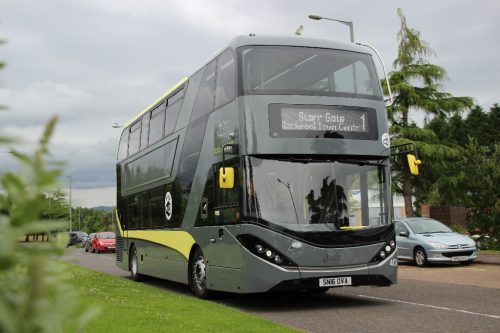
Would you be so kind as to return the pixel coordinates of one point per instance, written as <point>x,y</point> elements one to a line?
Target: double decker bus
<point>266,170</point>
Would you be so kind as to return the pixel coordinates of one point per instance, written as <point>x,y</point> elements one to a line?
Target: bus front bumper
<point>274,278</point>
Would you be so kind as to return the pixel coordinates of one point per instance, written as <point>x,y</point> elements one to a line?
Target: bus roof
<point>248,40</point>
<point>295,41</point>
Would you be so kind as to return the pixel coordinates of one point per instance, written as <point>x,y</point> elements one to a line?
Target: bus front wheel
<point>198,275</point>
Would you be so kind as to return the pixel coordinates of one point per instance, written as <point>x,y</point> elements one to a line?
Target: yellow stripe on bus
<point>171,90</point>
<point>180,241</point>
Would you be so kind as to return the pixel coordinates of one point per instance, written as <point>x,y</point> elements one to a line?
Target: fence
<point>449,215</point>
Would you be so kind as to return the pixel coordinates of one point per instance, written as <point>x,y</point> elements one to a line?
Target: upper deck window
<point>288,70</point>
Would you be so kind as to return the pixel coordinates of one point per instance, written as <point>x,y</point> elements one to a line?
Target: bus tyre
<point>198,276</point>
<point>420,257</point>
<point>134,265</point>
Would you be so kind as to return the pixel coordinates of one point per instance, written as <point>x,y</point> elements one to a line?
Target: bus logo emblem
<point>386,140</point>
<point>168,206</point>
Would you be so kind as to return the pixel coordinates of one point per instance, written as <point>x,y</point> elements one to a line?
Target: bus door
<point>223,251</point>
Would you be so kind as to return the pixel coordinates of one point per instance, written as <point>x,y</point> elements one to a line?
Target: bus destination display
<point>322,121</point>
<point>332,120</point>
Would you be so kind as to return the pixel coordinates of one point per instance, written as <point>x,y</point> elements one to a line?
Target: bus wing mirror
<point>413,163</point>
<point>226,177</point>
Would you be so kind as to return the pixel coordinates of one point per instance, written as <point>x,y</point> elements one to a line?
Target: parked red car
<point>104,241</point>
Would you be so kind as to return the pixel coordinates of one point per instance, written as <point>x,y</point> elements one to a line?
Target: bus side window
<point>205,99</point>
<point>156,202</point>
<point>226,79</point>
<point>135,137</point>
<point>146,210</point>
<point>123,147</point>
<point>227,201</point>
<point>145,131</point>
<point>133,212</point>
<point>174,104</point>
<point>156,123</point>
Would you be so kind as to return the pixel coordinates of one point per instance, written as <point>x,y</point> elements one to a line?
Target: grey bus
<point>266,170</point>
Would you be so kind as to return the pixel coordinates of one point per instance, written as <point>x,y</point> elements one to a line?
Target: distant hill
<point>103,208</point>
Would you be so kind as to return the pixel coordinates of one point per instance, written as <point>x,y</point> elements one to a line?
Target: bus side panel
<point>160,261</point>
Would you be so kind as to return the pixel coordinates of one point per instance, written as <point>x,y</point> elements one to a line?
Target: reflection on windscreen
<point>307,71</point>
<point>316,196</point>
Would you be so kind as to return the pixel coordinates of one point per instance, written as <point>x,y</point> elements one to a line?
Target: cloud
<point>94,62</point>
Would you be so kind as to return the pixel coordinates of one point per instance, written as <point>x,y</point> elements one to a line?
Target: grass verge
<point>126,306</point>
<point>489,251</point>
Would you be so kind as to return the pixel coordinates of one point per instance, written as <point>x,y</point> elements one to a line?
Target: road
<point>445,298</point>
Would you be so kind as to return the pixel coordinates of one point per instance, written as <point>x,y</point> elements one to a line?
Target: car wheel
<point>420,257</point>
<point>134,265</point>
<point>198,275</point>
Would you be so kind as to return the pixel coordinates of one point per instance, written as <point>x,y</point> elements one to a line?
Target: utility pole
<point>69,208</point>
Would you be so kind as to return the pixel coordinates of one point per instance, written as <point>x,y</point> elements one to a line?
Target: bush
<point>34,296</point>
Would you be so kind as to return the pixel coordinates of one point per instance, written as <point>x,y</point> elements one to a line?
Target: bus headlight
<point>388,248</point>
<point>263,250</point>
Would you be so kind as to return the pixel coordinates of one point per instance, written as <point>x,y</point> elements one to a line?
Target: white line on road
<point>430,306</point>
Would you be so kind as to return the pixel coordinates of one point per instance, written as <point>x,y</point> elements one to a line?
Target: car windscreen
<point>427,226</point>
<point>106,235</point>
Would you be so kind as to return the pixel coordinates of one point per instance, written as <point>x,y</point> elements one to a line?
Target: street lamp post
<point>70,217</point>
<point>348,23</point>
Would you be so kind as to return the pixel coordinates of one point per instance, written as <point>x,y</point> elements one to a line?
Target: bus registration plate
<point>335,281</point>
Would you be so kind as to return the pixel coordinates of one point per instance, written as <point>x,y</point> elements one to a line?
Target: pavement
<point>489,259</point>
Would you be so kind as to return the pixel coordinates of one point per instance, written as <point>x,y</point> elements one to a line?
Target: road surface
<point>445,298</point>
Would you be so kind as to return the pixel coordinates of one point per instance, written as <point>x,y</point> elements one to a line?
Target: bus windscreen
<point>290,70</point>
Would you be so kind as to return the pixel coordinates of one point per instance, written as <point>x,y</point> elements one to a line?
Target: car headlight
<point>438,245</point>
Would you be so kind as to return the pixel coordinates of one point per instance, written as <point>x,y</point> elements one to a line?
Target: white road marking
<point>430,306</point>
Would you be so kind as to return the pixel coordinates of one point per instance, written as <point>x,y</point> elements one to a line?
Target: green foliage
<point>480,183</point>
<point>417,87</point>
<point>470,179</point>
<point>34,296</point>
<point>95,220</point>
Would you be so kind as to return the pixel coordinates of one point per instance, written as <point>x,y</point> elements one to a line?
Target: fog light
<point>382,254</point>
<point>269,254</point>
<point>392,244</point>
<point>387,248</point>
<point>278,259</point>
<point>260,248</point>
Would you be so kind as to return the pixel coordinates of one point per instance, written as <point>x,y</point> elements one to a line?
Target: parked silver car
<point>87,245</point>
<point>424,240</point>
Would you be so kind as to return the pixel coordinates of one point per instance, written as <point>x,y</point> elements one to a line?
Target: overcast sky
<point>93,62</point>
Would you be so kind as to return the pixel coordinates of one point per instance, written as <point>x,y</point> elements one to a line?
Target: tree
<point>480,183</point>
<point>417,87</point>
